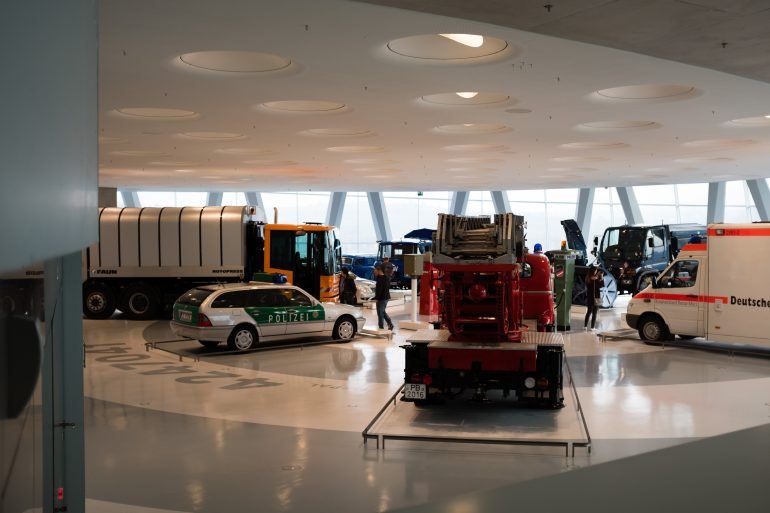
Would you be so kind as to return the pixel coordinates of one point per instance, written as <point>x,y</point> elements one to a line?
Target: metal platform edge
<point>569,447</point>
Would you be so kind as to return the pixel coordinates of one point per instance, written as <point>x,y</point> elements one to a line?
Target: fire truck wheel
<point>98,301</point>
<point>139,302</point>
<point>653,329</point>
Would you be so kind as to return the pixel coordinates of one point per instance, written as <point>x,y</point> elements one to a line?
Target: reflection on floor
<point>280,430</point>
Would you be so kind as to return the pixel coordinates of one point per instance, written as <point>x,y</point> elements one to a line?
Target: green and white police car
<point>244,314</point>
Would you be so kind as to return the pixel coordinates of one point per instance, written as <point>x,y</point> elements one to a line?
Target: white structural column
<point>715,212</point>
<point>761,194</point>
<point>130,198</point>
<point>214,199</point>
<point>459,203</point>
<point>379,215</point>
<point>254,199</point>
<point>500,201</point>
<point>335,208</point>
<point>584,209</point>
<point>630,205</point>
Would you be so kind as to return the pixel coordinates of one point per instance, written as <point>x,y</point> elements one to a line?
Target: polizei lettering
<point>288,317</point>
<point>750,301</point>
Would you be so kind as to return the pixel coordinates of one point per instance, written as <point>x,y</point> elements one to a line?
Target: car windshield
<point>625,242</point>
<point>194,297</point>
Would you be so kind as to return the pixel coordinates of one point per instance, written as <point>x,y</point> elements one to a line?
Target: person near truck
<point>594,284</point>
<point>347,287</point>
<point>381,296</point>
<point>388,268</point>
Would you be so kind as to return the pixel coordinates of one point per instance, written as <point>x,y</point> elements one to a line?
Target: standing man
<point>382,295</point>
<point>388,268</point>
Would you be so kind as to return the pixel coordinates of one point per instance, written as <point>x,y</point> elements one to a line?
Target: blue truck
<point>422,242</point>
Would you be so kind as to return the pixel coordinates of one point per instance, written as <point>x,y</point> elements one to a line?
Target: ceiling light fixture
<point>472,40</point>
<point>467,95</point>
<point>768,116</point>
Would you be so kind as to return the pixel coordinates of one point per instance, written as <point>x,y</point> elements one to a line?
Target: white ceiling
<point>339,53</point>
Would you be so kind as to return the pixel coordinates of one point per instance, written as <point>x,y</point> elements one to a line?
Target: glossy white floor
<point>280,430</point>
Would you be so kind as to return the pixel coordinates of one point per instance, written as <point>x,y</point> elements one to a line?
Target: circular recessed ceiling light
<point>471,170</point>
<point>377,170</point>
<point>356,149</point>
<point>594,145</point>
<point>473,128</point>
<point>454,99</point>
<point>756,121</point>
<point>371,161</point>
<point>270,163</point>
<point>235,61</point>
<point>212,136</point>
<point>171,163</point>
<point>111,140</point>
<point>579,159</point>
<point>475,147</point>
<point>719,144</point>
<point>450,48</point>
<point>245,151</point>
<point>338,132</point>
<point>473,160</point>
<point>305,106</point>
<point>518,111</point>
<point>703,160</point>
<point>619,124</point>
<point>156,113</point>
<point>646,92</point>
<point>139,153</point>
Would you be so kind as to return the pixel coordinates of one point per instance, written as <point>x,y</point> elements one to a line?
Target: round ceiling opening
<point>139,153</point>
<point>368,162</point>
<point>718,144</point>
<point>304,106</point>
<point>270,163</point>
<point>171,163</point>
<point>704,160</point>
<point>462,99</point>
<point>338,132</point>
<point>449,48</point>
<point>594,145</point>
<point>579,159</point>
<point>473,128</point>
<point>475,147</point>
<point>245,151</point>
<point>156,113</point>
<point>473,160</point>
<point>110,140</point>
<point>518,111</point>
<point>619,124</point>
<point>356,149</point>
<point>212,136</point>
<point>752,122</point>
<point>235,61</point>
<point>648,92</point>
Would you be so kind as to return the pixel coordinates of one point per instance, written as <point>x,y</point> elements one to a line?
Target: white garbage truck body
<point>718,289</point>
<point>147,257</point>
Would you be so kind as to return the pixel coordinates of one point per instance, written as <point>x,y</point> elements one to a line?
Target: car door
<point>304,314</point>
<point>679,297</point>
<point>227,308</point>
<point>268,308</point>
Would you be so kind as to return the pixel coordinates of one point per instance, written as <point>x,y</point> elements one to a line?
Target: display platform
<point>193,350</point>
<point>696,343</point>
<point>495,421</point>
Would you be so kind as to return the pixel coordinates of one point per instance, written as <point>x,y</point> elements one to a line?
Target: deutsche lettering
<point>750,301</point>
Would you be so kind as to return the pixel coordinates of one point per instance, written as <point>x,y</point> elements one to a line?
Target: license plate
<point>185,316</point>
<point>412,391</point>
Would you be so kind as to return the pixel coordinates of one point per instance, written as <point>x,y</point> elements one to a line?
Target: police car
<point>244,314</point>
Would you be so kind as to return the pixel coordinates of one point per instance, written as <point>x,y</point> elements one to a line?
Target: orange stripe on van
<point>694,247</point>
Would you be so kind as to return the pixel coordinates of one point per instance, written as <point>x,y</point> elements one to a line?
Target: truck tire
<point>643,282</point>
<point>344,329</point>
<point>653,329</point>
<point>242,338</point>
<point>98,301</point>
<point>140,302</point>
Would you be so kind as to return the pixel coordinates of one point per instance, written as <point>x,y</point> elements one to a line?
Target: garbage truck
<point>147,257</point>
<point>718,290</point>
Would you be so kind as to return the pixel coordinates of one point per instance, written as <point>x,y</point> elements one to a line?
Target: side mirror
<point>337,244</point>
<point>596,240</point>
<point>594,251</point>
<point>651,242</point>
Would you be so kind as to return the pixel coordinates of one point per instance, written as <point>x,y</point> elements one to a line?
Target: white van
<point>718,290</point>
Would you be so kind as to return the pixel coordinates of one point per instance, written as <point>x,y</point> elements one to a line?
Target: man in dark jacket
<point>382,295</point>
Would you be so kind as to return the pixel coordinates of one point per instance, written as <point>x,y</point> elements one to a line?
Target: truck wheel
<point>644,281</point>
<point>344,329</point>
<point>209,344</point>
<point>653,329</point>
<point>139,302</point>
<point>242,338</point>
<point>98,301</point>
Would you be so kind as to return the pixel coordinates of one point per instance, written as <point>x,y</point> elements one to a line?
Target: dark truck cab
<point>395,250</point>
<point>635,255</point>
